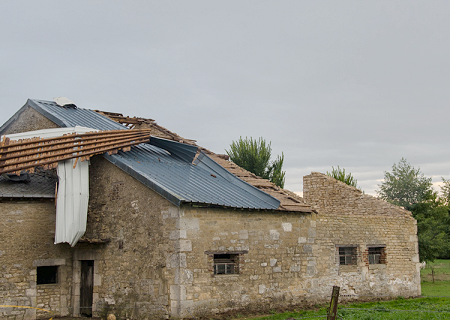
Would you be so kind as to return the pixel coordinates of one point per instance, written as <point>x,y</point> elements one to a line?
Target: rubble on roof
<point>141,123</point>
<point>41,185</point>
<point>289,200</point>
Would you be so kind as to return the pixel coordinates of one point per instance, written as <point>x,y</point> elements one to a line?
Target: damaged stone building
<point>170,230</point>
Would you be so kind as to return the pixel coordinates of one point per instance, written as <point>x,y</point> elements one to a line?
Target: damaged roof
<point>40,185</point>
<point>181,181</point>
<point>68,116</point>
<point>211,180</point>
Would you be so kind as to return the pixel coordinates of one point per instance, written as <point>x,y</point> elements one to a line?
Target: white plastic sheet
<point>72,201</point>
<point>73,188</point>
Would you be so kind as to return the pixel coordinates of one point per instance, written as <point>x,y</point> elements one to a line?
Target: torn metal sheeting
<point>72,201</point>
<point>180,181</point>
<point>183,151</point>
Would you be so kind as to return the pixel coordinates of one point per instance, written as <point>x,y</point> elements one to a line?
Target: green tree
<point>254,156</point>
<point>432,228</point>
<point>408,187</point>
<point>445,190</point>
<point>339,174</point>
<point>405,186</point>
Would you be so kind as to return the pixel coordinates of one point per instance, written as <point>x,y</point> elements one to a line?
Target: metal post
<point>332,310</point>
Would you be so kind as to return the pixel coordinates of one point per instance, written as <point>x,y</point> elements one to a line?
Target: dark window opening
<point>376,255</point>
<point>226,263</point>
<point>347,255</point>
<point>47,275</point>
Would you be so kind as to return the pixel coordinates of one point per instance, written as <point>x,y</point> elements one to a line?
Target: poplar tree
<point>254,155</point>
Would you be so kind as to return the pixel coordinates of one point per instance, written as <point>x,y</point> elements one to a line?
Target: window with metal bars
<point>226,264</point>
<point>347,256</point>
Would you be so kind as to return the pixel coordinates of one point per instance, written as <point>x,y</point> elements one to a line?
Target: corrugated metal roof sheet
<point>71,117</point>
<point>180,181</point>
<point>41,185</point>
<point>166,172</point>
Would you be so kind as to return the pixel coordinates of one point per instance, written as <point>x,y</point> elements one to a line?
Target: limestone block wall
<point>277,264</point>
<point>132,276</point>
<point>27,231</point>
<point>346,217</point>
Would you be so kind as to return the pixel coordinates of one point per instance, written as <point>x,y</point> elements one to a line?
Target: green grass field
<point>434,304</point>
<point>441,271</point>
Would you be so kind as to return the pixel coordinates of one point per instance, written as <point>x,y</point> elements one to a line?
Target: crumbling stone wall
<point>346,216</point>
<point>26,242</point>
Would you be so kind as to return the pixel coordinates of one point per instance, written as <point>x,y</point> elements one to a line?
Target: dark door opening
<point>86,287</point>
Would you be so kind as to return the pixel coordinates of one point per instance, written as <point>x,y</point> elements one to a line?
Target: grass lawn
<point>441,285</point>
<point>434,304</point>
<point>441,271</point>
<point>399,309</point>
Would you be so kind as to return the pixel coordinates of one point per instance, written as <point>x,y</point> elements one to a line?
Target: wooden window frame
<point>376,254</point>
<point>225,263</point>
<point>348,255</point>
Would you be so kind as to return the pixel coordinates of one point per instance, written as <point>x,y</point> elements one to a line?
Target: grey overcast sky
<point>359,84</point>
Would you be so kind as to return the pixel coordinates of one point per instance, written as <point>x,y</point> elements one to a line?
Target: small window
<point>376,255</point>
<point>47,275</point>
<point>226,263</point>
<point>347,256</point>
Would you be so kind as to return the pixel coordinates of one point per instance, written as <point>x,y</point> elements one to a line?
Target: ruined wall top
<point>330,196</point>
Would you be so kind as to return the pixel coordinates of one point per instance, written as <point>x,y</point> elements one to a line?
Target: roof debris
<point>289,200</point>
<point>26,154</point>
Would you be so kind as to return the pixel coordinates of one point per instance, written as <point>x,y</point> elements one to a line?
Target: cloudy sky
<point>359,84</point>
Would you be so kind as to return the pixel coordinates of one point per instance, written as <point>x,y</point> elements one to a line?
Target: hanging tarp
<point>73,188</point>
<point>72,201</point>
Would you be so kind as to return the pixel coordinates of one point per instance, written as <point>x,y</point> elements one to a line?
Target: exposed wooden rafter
<point>126,121</point>
<point>27,154</point>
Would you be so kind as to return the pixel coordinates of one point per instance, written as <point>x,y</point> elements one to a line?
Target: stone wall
<point>132,273</point>
<point>28,120</point>
<point>346,217</point>
<point>153,260</point>
<point>26,242</point>
<point>276,260</point>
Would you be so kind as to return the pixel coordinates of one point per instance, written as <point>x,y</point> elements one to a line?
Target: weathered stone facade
<point>154,260</point>
<point>347,217</point>
<point>276,260</point>
<point>26,242</point>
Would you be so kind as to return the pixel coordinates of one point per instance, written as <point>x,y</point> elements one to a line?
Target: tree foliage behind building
<point>408,187</point>
<point>405,185</point>
<point>254,155</point>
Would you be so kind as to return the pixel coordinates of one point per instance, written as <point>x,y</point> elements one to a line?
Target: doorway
<point>86,287</point>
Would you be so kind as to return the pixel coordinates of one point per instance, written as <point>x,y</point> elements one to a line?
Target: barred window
<point>347,255</point>
<point>226,263</point>
<point>376,255</point>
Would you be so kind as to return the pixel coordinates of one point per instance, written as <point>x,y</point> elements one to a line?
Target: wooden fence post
<point>332,310</point>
